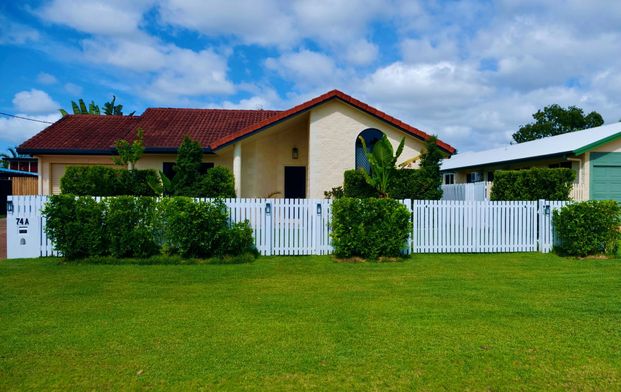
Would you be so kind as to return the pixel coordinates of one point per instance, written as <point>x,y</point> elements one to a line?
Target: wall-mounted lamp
<point>295,153</point>
<point>9,206</point>
<point>318,209</point>
<point>268,208</point>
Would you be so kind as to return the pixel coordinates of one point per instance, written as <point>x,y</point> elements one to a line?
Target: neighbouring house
<point>300,152</point>
<point>594,154</point>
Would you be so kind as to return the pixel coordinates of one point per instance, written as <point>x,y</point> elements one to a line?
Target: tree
<point>556,120</point>
<point>382,160</point>
<point>12,153</point>
<point>430,177</point>
<point>110,109</point>
<point>187,168</point>
<point>129,153</point>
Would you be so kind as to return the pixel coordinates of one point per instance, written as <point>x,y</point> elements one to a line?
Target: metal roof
<point>569,143</point>
<point>17,172</point>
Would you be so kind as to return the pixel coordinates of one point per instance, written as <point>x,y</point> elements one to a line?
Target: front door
<point>295,182</point>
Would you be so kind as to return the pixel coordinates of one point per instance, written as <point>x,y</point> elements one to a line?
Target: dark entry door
<point>295,182</point>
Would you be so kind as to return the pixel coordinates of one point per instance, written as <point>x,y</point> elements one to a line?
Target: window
<point>449,178</point>
<point>370,136</point>
<point>566,165</point>
<point>474,177</point>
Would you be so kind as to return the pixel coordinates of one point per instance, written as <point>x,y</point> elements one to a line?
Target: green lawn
<point>478,322</point>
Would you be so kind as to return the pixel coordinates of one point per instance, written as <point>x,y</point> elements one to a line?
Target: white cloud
<point>73,89</point>
<point>305,68</point>
<point>14,131</point>
<point>109,17</point>
<point>34,101</point>
<point>13,33</point>
<point>46,78</point>
<point>362,52</point>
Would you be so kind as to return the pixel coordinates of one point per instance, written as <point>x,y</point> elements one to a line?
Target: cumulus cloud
<point>109,17</point>
<point>46,78</point>
<point>305,68</point>
<point>13,33</point>
<point>34,101</point>
<point>14,131</point>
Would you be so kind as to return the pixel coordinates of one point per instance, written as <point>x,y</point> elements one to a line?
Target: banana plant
<point>80,108</point>
<point>382,160</point>
<point>161,184</point>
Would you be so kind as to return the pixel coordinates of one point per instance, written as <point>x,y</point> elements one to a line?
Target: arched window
<point>370,136</point>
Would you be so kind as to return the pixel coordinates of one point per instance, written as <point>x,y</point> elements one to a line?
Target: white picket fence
<point>476,191</point>
<point>302,226</point>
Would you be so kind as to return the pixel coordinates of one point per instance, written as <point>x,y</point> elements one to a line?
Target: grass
<point>435,322</point>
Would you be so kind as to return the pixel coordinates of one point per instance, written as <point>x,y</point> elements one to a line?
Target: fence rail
<point>302,226</point>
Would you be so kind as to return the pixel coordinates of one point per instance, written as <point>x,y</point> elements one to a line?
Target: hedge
<point>369,228</point>
<point>355,185</point>
<point>588,228</point>
<point>141,227</point>
<point>413,184</point>
<point>107,181</point>
<point>533,184</point>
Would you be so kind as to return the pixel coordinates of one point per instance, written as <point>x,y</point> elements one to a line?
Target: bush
<point>533,184</point>
<point>132,226</point>
<point>187,167</point>
<point>106,181</point>
<point>355,185</point>
<point>369,228</point>
<point>414,184</point>
<point>334,193</point>
<point>218,182</point>
<point>588,228</point>
<point>191,228</point>
<point>142,227</point>
<point>76,226</point>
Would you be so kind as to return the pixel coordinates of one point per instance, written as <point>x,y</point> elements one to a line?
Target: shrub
<point>533,184</point>
<point>236,241</point>
<point>415,185</point>
<point>76,226</point>
<point>106,181</point>
<point>187,168</point>
<point>135,182</point>
<point>588,228</point>
<point>89,181</point>
<point>193,228</point>
<point>369,228</point>
<point>218,182</point>
<point>132,226</point>
<point>355,185</point>
<point>334,193</point>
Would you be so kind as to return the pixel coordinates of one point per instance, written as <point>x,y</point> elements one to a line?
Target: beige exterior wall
<point>265,155</point>
<point>334,127</point>
<point>53,166</point>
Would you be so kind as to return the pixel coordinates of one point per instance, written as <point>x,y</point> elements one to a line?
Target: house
<point>594,154</point>
<point>300,152</point>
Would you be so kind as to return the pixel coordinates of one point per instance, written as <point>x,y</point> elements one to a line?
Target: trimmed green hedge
<point>369,228</point>
<point>141,227</point>
<point>107,181</point>
<point>588,228</point>
<point>355,185</point>
<point>413,184</point>
<point>533,184</point>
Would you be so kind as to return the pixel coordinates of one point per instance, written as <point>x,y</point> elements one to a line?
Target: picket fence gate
<point>302,226</point>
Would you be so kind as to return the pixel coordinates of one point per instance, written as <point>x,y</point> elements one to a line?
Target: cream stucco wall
<point>265,155</point>
<point>334,127</point>
<point>47,163</point>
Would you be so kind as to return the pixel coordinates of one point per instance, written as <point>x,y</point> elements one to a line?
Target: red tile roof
<point>319,100</point>
<point>164,128</point>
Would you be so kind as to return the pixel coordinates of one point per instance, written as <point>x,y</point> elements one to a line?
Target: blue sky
<point>469,71</point>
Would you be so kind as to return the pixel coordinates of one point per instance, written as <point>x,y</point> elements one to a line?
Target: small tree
<point>130,153</point>
<point>187,168</point>
<point>430,178</point>
<point>382,160</point>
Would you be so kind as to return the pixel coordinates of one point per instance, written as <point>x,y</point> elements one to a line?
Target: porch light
<point>318,209</point>
<point>9,206</point>
<point>294,153</point>
<point>268,208</point>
